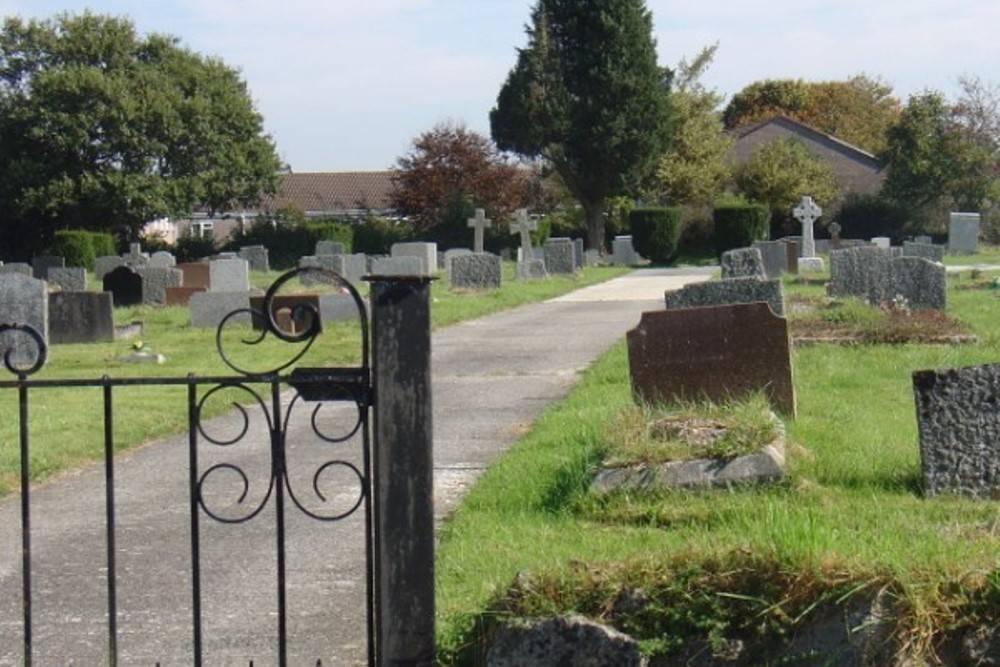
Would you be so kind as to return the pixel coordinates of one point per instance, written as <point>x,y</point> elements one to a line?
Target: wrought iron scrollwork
<point>12,360</point>
<point>306,315</point>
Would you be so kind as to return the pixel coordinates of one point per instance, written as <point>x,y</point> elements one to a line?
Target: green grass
<point>66,423</point>
<point>849,520</point>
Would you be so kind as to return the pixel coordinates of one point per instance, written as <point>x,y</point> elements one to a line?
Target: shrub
<point>375,236</point>
<point>190,248</point>
<point>656,233</point>
<point>865,216</point>
<point>739,225</point>
<point>286,241</point>
<point>80,247</point>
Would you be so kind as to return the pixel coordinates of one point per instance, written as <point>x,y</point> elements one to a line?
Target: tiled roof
<point>333,192</point>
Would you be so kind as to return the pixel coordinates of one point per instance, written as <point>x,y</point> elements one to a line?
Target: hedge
<point>656,233</point>
<point>81,247</point>
<point>739,225</point>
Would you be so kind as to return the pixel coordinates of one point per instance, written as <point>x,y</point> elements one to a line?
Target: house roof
<point>333,192</point>
<point>855,169</point>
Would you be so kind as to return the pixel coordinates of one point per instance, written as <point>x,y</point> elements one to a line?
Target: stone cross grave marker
<point>524,225</point>
<point>479,223</point>
<point>807,212</point>
<point>834,228</point>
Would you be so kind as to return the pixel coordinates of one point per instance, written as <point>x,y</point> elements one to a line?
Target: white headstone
<point>807,212</point>
<point>881,242</point>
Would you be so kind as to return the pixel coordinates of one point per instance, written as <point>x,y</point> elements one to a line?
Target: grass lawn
<point>849,522</point>
<point>66,423</point>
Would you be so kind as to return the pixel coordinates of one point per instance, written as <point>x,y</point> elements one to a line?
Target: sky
<point>347,85</point>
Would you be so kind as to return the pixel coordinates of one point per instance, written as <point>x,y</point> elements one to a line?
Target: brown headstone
<point>180,296</point>
<point>284,306</point>
<point>713,353</point>
<point>196,274</point>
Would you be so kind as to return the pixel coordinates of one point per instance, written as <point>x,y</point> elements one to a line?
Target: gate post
<point>404,466</point>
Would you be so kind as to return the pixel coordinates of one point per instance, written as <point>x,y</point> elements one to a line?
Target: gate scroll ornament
<point>264,392</point>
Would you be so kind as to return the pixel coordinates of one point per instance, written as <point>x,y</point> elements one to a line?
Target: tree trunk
<point>595,226</point>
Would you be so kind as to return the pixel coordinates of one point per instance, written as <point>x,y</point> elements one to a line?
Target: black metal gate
<point>329,487</point>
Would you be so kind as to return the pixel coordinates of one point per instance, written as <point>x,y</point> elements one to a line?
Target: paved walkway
<point>491,379</point>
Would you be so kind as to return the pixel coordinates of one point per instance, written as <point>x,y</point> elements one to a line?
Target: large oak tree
<point>586,95</point>
<point>104,129</point>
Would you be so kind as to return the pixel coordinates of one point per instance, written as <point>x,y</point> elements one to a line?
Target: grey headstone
<point>350,267</point>
<point>68,279</point>
<point>23,300</point>
<point>256,257</point>
<point>923,239</point>
<point>934,253</point>
<point>774,257</point>
<point>959,428</point>
<point>399,266</point>
<point>591,257</point>
<point>155,282</point>
<point>863,272</point>
<point>41,264</point>
<point>560,256</point>
<point>106,264</point>
<point>161,259</point>
<point>531,270</point>
<point>578,249</point>
<point>81,317</point>
<point>425,252</point>
<point>623,252</point>
<point>728,292</point>
<point>135,258</point>
<point>476,271</point>
<point>742,263</point>
<point>921,282</point>
<point>17,267</point>
<point>125,286</point>
<point>228,275</point>
<point>329,248</point>
<point>883,242</point>
<point>449,255</point>
<point>336,307</point>
<point>963,233</point>
<point>208,309</point>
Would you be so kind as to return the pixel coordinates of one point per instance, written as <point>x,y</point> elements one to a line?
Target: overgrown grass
<point>66,423</point>
<point>849,517</point>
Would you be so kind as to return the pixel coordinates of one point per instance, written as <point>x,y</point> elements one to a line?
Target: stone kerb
<point>425,252</point>
<point>742,263</point>
<point>560,256</point>
<point>476,271</point>
<point>23,300</point>
<point>959,429</point>
<point>726,292</point>
<point>693,354</point>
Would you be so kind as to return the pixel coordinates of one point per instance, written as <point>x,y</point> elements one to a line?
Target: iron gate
<point>268,403</point>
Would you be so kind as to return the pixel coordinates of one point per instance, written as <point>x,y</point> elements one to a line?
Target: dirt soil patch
<point>884,326</point>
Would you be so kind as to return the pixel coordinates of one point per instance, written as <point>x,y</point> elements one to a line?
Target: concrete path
<point>491,379</point>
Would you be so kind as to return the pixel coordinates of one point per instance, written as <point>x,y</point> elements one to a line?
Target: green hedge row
<point>287,243</point>
<point>739,225</point>
<point>81,248</point>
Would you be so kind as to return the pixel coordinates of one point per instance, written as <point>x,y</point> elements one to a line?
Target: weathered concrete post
<point>403,462</point>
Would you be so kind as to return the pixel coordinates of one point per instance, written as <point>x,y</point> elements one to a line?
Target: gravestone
<point>533,269</point>
<point>963,233</point>
<point>398,266</point>
<point>208,309</point>
<point>106,264</point>
<point>450,255</point>
<point>125,286</point>
<point>256,257</point>
<point>351,268</point>
<point>807,212</point>
<point>425,252</point>
<point>523,225</point>
<point>23,300</point>
<point>479,224</point>
<point>863,272</point>
<point>591,257</point>
<point>923,239</point>
<point>959,429</point>
<point>921,282</point>
<point>155,282</point>
<point>292,312</point>
<point>135,257</point>
<point>196,274</point>
<point>934,253</point>
<point>792,253</point>
<point>559,256</point>
<point>726,292</point>
<point>834,228</point>
<point>476,271</point>
<point>742,263</point>
<point>623,252</point>
<point>692,354</point>
<point>68,278</point>
<point>228,275</point>
<point>161,259</point>
<point>329,248</point>
<point>17,267</point>
<point>180,296</point>
<point>41,264</point>
<point>883,242</point>
<point>774,258</point>
<point>578,249</point>
<point>81,317</point>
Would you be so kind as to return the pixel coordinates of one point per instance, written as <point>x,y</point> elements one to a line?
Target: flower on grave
<point>137,345</point>
<point>900,303</point>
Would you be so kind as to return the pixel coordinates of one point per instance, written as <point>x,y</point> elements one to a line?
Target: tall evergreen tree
<point>587,95</point>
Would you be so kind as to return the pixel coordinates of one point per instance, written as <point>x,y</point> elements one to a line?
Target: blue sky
<point>348,84</point>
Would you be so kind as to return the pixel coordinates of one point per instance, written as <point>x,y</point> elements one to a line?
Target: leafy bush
<point>81,247</point>
<point>656,233</point>
<point>865,216</point>
<point>739,225</point>
<point>190,248</point>
<point>375,236</point>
